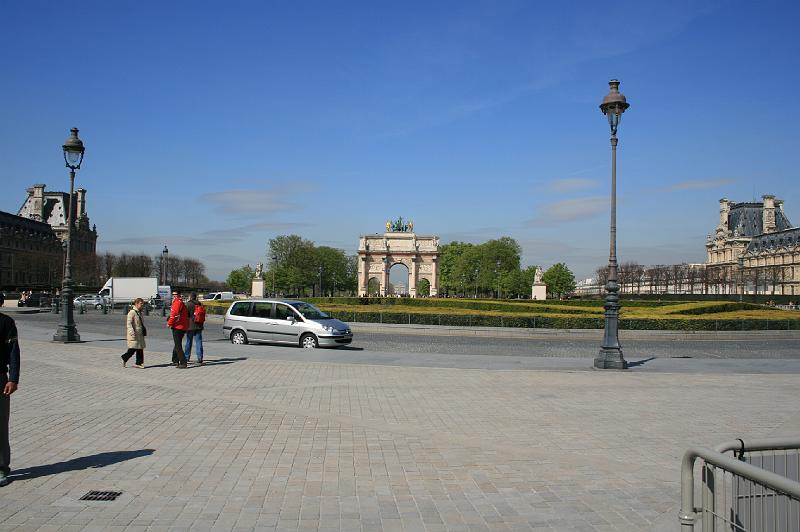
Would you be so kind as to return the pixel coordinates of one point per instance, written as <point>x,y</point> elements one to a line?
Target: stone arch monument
<point>399,244</point>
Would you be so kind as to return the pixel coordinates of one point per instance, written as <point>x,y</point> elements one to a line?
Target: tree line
<point>298,267</point>
<point>634,278</point>
<point>175,270</point>
<point>493,269</point>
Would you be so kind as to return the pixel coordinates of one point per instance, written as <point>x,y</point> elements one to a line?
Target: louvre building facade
<point>761,236</point>
<point>33,242</point>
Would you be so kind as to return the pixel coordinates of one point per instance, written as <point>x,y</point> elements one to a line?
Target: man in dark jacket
<point>179,322</point>
<point>9,377</point>
<point>195,332</point>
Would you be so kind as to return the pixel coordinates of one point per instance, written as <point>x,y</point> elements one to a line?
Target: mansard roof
<point>747,220</point>
<point>772,241</point>
<point>12,221</point>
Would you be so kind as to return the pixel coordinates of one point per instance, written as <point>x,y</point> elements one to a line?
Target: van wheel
<point>238,337</point>
<point>309,341</point>
<point>98,306</point>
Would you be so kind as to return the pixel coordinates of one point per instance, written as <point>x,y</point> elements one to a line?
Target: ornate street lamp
<point>164,253</point>
<point>73,157</point>
<point>610,355</point>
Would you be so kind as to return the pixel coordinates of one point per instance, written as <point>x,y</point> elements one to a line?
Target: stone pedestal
<point>539,291</point>
<point>258,288</point>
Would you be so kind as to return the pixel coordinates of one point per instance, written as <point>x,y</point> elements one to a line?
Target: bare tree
<point>602,278</point>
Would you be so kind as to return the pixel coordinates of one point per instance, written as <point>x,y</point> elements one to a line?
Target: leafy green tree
<point>423,288</point>
<point>297,266</point>
<point>335,269</point>
<point>292,264</point>
<point>559,280</point>
<point>241,280</point>
<point>450,280</point>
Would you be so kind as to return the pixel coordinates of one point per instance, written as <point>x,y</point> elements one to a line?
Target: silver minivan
<point>285,322</point>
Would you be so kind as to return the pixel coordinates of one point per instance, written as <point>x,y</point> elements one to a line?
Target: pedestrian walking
<point>135,332</point>
<point>197,317</point>
<point>178,321</point>
<point>9,378</point>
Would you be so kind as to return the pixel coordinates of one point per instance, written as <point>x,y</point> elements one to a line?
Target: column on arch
<point>363,277</point>
<point>385,276</point>
<point>412,278</point>
<point>434,276</point>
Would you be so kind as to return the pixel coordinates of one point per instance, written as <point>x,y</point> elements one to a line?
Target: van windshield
<point>309,311</point>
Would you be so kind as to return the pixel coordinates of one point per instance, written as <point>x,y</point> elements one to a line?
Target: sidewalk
<point>247,443</point>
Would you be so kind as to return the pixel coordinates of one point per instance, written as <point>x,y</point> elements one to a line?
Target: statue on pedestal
<point>537,276</point>
<point>259,271</point>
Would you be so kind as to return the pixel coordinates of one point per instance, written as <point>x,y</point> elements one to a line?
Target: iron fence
<point>756,489</point>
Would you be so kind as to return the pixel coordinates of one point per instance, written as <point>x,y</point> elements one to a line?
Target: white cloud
<point>570,210</point>
<point>214,237</point>
<point>256,201</point>
<point>571,183</point>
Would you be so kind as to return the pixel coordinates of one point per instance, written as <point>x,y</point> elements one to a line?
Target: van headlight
<point>329,329</point>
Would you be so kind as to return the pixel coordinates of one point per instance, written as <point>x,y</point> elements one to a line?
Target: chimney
<point>37,203</point>
<point>81,212</point>
<point>769,214</point>
<point>724,212</point>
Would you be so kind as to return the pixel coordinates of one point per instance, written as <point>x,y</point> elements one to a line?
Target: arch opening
<point>398,280</point>
<point>374,287</point>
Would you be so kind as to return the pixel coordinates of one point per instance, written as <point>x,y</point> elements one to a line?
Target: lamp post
<point>164,254</point>
<point>610,355</point>
<point>320,280</point>
<point>73,157</point>
<point>741,278</point>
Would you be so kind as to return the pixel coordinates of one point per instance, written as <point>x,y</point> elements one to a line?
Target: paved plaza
<point>251,443</point>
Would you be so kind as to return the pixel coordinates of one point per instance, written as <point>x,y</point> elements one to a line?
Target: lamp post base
<point>66,334</point>
<point>610,358</point>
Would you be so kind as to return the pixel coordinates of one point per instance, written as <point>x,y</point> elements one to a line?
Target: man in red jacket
<point>179,322</point>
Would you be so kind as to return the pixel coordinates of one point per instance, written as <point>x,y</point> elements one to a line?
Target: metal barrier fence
<point>755,490</point>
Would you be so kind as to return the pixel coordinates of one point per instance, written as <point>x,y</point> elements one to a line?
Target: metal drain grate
<point>101,496</point>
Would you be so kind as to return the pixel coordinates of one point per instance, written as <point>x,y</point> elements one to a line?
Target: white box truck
<point>123,290</point>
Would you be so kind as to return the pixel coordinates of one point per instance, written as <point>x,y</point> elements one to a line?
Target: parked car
<point>90,300</point>
<point>218,296</point>
<point>284,322</point>
<point>36,299</point>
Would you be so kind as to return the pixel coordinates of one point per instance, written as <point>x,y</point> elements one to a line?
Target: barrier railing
<point>755,490</point>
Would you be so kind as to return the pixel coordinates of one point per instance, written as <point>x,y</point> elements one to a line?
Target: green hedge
<point>550,322</point>
<point>506,305</point>
<point>543,322</point>
<point>718,307</point>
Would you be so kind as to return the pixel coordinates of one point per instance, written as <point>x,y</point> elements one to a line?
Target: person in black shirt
<point>9,377</point>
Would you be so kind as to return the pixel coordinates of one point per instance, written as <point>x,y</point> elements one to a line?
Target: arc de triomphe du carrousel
<point>398,245</point>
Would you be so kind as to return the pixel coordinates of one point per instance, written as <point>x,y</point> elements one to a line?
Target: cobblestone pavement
<point>247,443</point>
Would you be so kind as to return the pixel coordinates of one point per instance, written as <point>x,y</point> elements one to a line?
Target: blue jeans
<point>187,349</point>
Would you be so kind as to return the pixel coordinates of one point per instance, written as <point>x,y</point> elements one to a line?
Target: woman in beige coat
<point>136,332</point>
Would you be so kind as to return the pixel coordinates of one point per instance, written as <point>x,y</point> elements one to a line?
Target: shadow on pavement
<point>103,340</point>
<point>77,464</point>
<point>216,362</point>
<point>640,362</point>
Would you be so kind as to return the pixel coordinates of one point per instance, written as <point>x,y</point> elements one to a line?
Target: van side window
<point>283,311</point>
<point>240,309</point>
<point>262,310</point>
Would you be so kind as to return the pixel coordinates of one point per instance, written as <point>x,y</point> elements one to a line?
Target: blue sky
<point>213,127</point>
